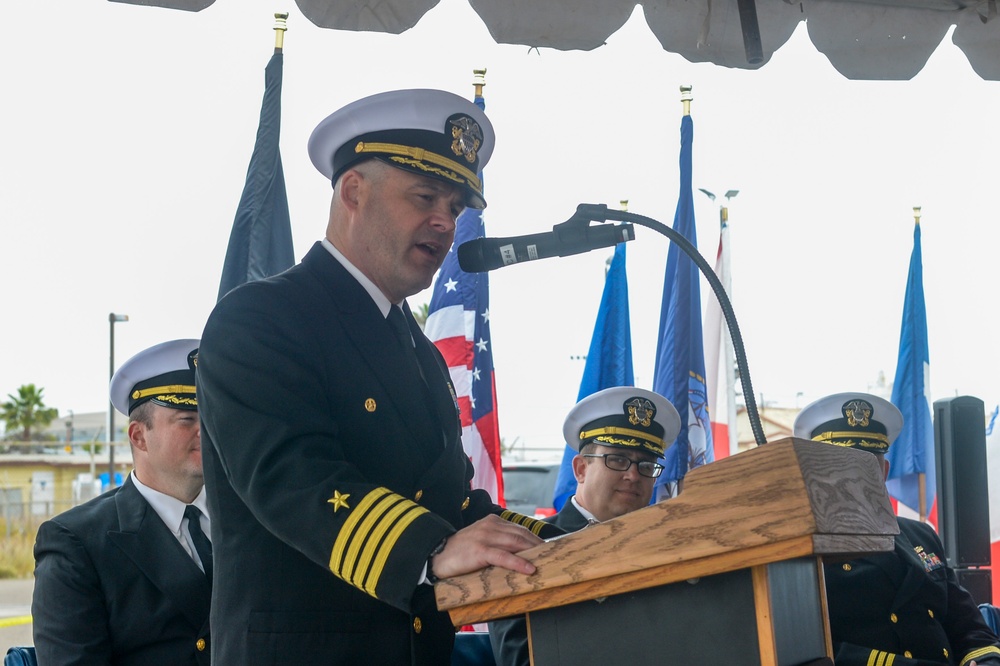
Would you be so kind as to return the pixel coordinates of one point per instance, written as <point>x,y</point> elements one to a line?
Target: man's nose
<point>443,219</point>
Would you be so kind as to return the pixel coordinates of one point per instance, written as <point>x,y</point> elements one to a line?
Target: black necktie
<point>397,320</point>
<point>198,538</point>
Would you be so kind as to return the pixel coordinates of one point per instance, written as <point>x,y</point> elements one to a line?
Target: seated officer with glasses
<point>620,433</point>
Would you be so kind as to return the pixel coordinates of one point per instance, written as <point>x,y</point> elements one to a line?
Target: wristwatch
<point>431,578</point>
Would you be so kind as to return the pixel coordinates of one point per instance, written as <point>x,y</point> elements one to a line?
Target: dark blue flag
<point>912,454</point>
<point>679,375</point>
<point>260,243</point>
<point>609,360</point>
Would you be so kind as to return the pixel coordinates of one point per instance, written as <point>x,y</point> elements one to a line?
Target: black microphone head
<point>471,258</point>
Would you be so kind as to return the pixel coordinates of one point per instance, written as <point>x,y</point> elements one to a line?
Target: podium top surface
<point>790,498</point>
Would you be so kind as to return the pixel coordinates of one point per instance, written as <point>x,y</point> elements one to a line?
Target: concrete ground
<point>15,609</point>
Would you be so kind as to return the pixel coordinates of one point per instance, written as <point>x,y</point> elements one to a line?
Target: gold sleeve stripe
<point>981,652</point>
<point>383,552</point>
<point>524,521</point>
<point>346,535</point>
<point>362,541</point>
<point>375,549</point>
<point>381,515</point>
<point>878,658</point>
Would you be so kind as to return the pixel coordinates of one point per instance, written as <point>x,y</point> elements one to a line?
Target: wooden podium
<point>730,571</point>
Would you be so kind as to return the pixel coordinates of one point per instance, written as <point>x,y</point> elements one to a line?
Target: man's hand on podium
<point>491,541</point>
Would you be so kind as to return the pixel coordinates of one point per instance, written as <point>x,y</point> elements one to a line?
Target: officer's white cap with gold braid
<point>430,132</point>
<point>623,417</point>
<point>162,374</point>
<point>853,420</point>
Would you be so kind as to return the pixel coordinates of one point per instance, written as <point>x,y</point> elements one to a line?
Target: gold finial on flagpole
<point>478,81</point>
<point>280,26</point>
<point>686,98</point>
<point>916,214</point>
<point>624,204</point>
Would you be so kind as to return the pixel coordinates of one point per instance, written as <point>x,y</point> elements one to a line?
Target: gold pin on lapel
<point>370,405</point>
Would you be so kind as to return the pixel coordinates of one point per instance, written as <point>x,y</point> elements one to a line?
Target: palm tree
<point>420,315</point>
<point>25,411</point>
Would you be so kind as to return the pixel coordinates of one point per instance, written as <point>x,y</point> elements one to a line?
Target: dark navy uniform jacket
<point>509,637</point>
<point>332,470</point>
<point>114,587</point>
<point>905,607</point>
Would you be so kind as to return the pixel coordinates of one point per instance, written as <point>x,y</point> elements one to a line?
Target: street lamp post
<point>112,320</point>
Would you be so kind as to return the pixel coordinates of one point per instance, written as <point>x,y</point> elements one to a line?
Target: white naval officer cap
<point>623,417</point>
<point>429,132</point>
<point>852,420</point>
<point>162,374</point>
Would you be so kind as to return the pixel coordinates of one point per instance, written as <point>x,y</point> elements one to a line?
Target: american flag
<point>458,323</point>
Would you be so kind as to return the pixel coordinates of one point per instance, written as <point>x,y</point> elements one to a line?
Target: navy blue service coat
<point>906,605</point>
<point>114,587</point>
<point>332,470</point>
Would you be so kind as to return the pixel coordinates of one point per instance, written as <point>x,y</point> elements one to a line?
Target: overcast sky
<point>127,131</point>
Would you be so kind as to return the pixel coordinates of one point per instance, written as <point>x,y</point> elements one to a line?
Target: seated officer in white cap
<point>333,457</point>
<point>620,434</point>
<point>904,608</point>
<point>125,578</point>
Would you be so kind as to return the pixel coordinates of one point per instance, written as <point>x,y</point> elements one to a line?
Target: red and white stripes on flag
<point>715,377</point>
<point>462,336</point>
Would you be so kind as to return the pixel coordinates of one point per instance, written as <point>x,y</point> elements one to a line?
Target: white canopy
<point>867,39</point>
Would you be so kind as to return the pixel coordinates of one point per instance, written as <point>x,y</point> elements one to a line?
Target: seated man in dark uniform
<point>126,577</point>
<point>903,608</point>
<point>620,433</point>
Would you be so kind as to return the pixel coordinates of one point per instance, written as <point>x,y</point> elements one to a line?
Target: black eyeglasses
<point>621,463</point>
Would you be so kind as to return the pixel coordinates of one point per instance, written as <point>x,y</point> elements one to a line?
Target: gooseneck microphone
<point>578,235</point>
<point>571,237</point>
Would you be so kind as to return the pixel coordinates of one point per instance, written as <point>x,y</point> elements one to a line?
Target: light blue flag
<point>609,360</point>
<point>912,453</point>
<point>679,375</point>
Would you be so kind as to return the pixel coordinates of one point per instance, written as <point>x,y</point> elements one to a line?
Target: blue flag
<point>260,244</point>
<point>679,375</point>
<point>912,454</point>
<point>609,360</point>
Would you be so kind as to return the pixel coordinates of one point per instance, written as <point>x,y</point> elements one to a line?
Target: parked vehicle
<point>528,488</point>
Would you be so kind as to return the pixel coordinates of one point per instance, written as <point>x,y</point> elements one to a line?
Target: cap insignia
<point>193,360</point>
<point>640,411</point>
<point>467,137</point>
<point>857,413</point>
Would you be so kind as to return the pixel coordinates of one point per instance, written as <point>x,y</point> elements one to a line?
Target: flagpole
<point>280,26</point>
<point>727,283</point>
<point>921,476</point>
<point>686,98</point>
<point>478,81</point>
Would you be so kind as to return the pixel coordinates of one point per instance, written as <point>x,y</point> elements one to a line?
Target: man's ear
<point>579,468</point>
<point>349,189</point>
<point>885,469</point>
<point>137,435</point>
